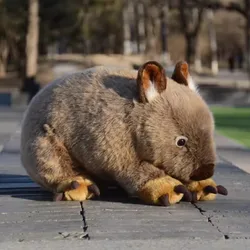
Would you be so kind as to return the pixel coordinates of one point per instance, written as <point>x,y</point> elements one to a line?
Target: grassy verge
<point>234,123</point>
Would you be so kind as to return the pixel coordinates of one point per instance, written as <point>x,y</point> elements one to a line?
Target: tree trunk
<point>150,39</point>
<point>164,35</point>
<point>127,44</point>
<point>152,20</point>
<point>137,36</point>
<point>31,52</point>
<point>247,32</point>
<point>4,52</point>
<point>191,20</point>
<point>133,28</point>
<point>32,39</point>
<point>197,60</point>
<point>213,43</point>
<point>141,27</point>
<point>85,27</point>
<point>190,48</point>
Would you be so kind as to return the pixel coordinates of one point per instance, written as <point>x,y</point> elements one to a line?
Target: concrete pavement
<point>172,244</point>
<point>233,152</point>
<point>30,220</point>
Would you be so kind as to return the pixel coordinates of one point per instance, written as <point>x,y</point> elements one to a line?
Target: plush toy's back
<point>73,106</point>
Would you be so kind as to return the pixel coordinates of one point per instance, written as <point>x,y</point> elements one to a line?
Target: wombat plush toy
<point>150,134</point>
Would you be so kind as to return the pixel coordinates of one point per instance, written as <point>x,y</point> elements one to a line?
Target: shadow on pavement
<point>22,187</point>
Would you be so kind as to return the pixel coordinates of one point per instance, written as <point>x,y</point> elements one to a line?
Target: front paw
<point>205,190</point>
<point>164,191</point>
<point>78,189</point>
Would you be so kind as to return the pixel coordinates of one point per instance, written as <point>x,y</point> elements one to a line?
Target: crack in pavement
<point>85,226</point>
<point>209,220</point>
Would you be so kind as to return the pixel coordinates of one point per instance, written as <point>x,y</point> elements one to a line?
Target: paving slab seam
<point>209,220</point>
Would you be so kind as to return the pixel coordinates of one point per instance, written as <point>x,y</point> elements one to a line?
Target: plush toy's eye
<point>181,141</point>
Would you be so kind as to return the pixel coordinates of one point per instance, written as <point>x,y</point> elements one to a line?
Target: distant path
<point>225,78</point>
<point>61,69</point>
<point>236,75</point>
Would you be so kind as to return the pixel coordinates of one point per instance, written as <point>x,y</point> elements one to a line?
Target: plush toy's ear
<point>151,81</point>
<point>181,75</point>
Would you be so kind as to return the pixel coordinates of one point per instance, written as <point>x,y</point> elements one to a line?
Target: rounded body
<point>99,124</point>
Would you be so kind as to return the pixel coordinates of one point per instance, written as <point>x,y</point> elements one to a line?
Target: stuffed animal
<point>150,134</point>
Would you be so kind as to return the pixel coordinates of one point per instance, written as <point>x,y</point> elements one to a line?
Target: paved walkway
<point>30,220</point>
<point>225,77</point>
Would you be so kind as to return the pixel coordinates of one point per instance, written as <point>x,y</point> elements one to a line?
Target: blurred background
<point>41,40</point>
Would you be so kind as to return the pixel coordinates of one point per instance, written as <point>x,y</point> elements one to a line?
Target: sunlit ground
<point>234,123</point>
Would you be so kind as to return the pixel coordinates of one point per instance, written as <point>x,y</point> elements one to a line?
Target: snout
<point>203,172</point>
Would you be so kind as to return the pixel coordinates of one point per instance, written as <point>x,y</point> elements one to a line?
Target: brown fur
<point>97,124</point>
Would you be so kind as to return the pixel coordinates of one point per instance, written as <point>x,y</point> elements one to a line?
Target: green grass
<point>233,123</point>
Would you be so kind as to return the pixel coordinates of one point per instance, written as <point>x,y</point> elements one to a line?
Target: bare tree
<point>4,51</point>
<point>4,35</point>
<point>31,51</point>
<point>191,19</point>
<point>140,26</point>
<point>152,24</point>
<point>197,59</point>
<point>213,42</point>
<point>85,13</point>
<point>242,8</point>
<point>32,39</point>
<point>164,33</point>
<point>127,41</point>
<point>246,14</point>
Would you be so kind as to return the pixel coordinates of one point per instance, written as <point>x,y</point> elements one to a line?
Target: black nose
<point>205,171</point>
